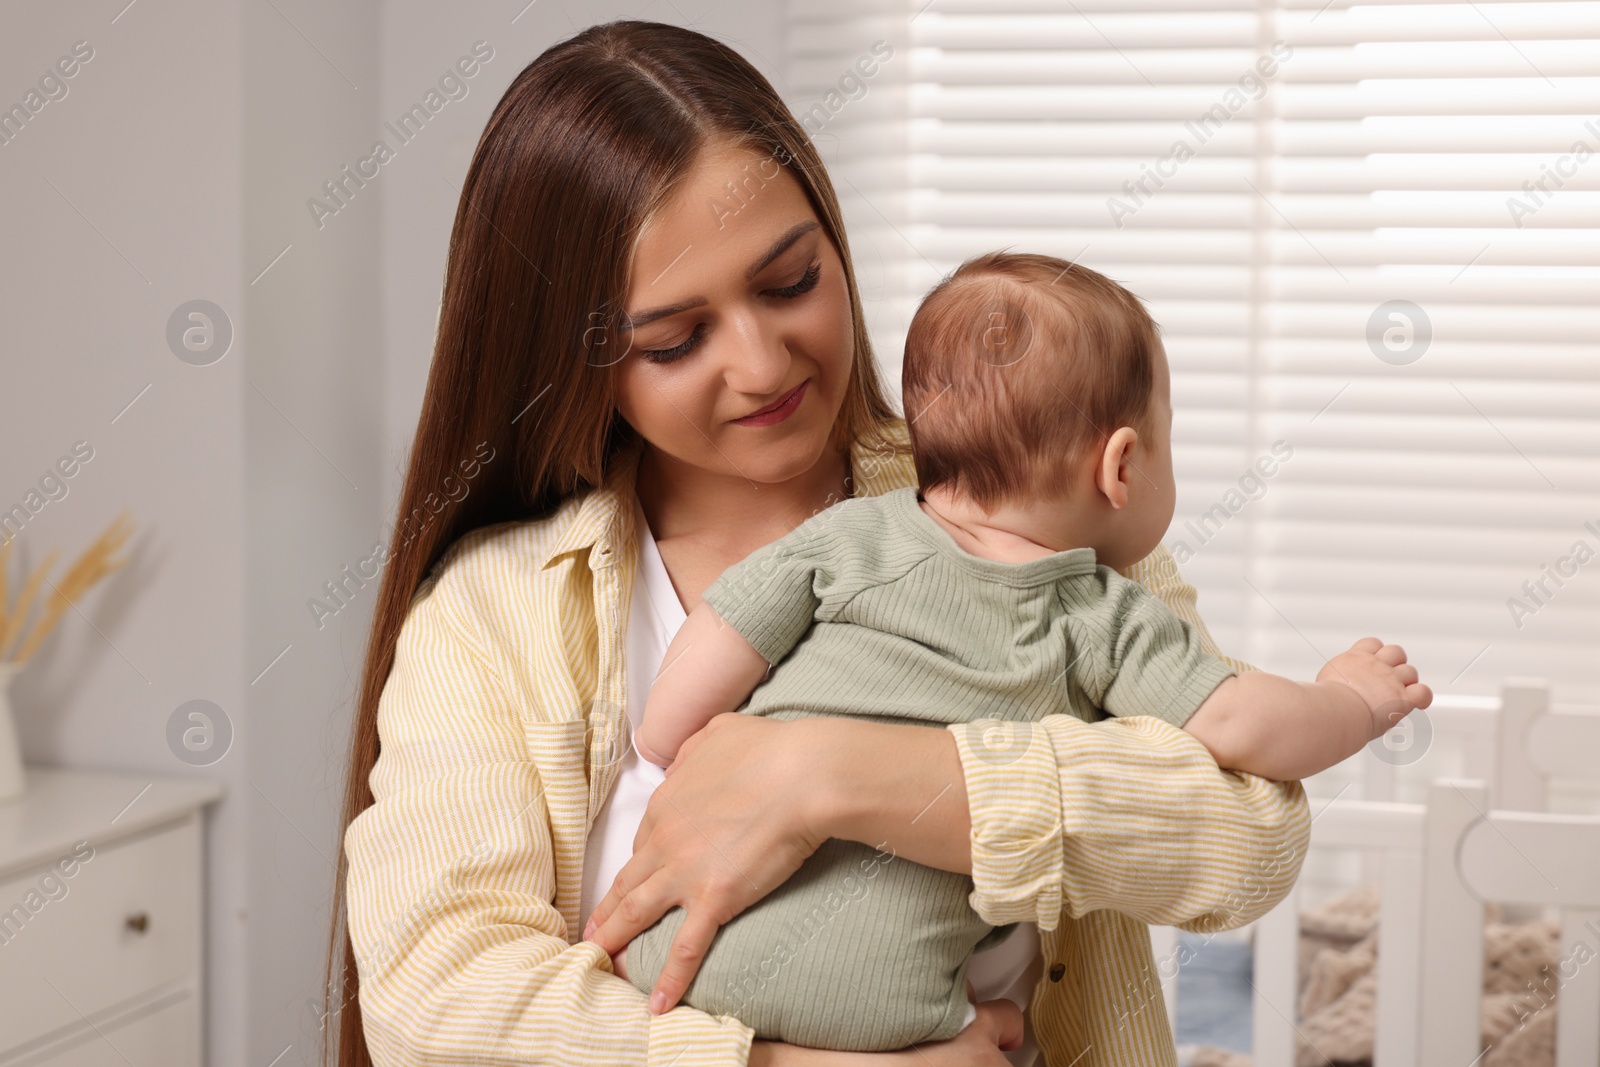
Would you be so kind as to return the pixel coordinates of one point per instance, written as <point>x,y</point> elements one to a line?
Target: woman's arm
<point>463,957</point>
<point>1130,814</point>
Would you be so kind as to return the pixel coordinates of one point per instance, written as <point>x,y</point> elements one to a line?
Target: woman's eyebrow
<point>779,247</point>
<point>644,318</point>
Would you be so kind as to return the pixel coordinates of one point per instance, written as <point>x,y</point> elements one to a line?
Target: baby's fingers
<point>1419,695</point>
<point>688,949</point>
<point>1405,674</point>
<point>1393,655</point>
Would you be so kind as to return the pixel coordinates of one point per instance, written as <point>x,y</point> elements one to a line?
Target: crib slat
<point>1366,825</point>
<point>1399,959</point>
<point>1452,930</point>
<point>1377,778</point>
<point>1578,1010</point>
<point>1276,964</point>
<point>1518,782</point>
<point>1564,743</point>
<point>1534,859</point>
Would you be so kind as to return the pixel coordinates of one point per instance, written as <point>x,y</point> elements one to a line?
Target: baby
<point>988,592</point>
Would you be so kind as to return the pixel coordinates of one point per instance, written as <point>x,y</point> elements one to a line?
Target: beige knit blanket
<point>1339,981</point>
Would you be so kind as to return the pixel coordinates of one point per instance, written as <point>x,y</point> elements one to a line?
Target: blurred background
<point>1371,234</point>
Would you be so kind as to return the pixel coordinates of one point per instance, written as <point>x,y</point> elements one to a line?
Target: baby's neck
<point>1009,534</point>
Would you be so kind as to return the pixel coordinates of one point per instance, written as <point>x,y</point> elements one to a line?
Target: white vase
<point>12,780</point>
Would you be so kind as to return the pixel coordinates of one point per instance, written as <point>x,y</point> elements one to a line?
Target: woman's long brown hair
<point>586,142</point>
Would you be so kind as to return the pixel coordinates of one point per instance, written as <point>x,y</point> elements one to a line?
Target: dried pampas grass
<point>95,563</point>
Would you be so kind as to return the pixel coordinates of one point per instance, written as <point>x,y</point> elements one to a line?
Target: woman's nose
<point>756,360</point>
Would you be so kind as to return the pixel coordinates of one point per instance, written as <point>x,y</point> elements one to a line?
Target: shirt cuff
<point>685,1037</point>
<point>1014,793</point>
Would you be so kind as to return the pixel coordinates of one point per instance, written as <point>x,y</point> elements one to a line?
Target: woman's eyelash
<point>808,281</point>
<point>667,355</point>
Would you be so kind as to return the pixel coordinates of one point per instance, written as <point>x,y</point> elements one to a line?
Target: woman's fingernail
<point>588,931</point>
<point>658,1003</point>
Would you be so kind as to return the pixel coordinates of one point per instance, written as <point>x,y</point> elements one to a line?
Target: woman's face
<point>737,300</point>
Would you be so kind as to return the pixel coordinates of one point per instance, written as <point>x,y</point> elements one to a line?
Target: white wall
<point>313,423</point>
<point>122,201</point>
<point>178,167</point>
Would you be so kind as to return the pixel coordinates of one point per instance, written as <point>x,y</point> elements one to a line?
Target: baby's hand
<point>1382,678</point>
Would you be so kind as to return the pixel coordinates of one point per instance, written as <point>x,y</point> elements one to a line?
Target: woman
<point>652,360</point>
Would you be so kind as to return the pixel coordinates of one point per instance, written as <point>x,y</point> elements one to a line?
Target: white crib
<point>1486,837</point>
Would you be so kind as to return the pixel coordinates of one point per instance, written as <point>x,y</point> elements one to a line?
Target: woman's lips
<point>779,411</point>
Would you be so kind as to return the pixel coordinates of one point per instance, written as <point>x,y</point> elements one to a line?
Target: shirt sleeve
<point>1139,658</point>
<point>463,958</point>
<point>1130,814</point>
<point>774,594</point>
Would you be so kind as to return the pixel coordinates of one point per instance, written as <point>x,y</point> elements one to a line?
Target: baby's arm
<point>1277,728</point>
<point>709,668</point>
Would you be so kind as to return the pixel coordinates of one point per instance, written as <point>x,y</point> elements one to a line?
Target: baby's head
<point>1035,383</point>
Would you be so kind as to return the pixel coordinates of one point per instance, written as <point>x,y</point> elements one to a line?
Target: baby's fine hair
<point>1017,368</point>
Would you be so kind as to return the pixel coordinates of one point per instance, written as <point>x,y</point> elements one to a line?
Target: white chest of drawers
<point>101,904</point>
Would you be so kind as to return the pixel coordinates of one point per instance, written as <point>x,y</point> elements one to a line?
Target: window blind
<point>1371,235</point>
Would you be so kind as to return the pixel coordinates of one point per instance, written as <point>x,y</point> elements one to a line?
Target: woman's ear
<point>1112,475</point>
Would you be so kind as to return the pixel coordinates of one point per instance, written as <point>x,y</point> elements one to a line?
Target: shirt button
<point>1057,971</point>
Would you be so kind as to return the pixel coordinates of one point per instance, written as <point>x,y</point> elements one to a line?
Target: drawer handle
<point>139,923</point>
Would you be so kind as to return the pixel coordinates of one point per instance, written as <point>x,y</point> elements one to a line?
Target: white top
<point>1010,969</point>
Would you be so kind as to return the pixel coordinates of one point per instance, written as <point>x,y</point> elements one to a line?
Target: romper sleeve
<point>774,594</point>
<point>1135,655</point>
<point>462,955</point>
<point>1130,814</point>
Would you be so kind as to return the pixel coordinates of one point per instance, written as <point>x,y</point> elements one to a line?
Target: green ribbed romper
<point>871,609</point>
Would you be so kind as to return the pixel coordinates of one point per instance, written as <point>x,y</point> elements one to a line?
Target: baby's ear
<point>1115,467</point>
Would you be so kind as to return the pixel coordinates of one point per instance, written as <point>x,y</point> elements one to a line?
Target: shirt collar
<point>597,517</point>
<point>594,515</point>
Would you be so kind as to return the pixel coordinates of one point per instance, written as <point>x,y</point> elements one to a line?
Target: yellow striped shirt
<point>501,726</point>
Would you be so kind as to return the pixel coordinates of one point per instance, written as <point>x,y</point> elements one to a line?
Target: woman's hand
<point>731,822</point>
<point>996,1031</point>
<point>982,1043</point>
